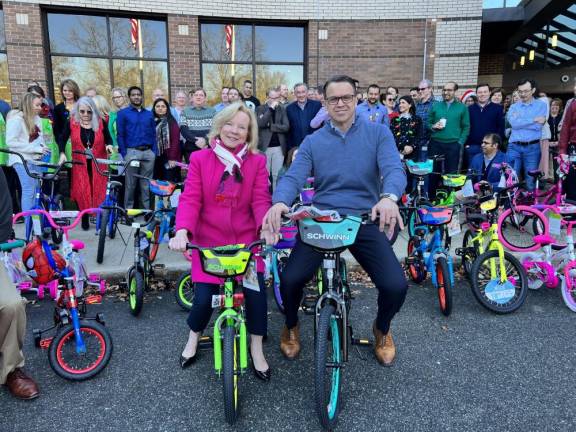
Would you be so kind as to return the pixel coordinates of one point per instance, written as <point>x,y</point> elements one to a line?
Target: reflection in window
<point>2,35</point>
<point>77,34</point>
<point>87,72</point>
<point>268,76</point>
<point>153,38</point>
<point>155,75</point>
<point>4,79</point>
<point>279,44</point>
<point>214,47</point>
<point>216,76</point>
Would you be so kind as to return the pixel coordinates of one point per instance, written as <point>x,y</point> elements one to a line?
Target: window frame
<point>5,52</point>
<point>48,54</point>
<point>254,62</point>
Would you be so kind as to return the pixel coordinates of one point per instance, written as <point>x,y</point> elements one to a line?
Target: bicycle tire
<point>569,286</point>
<point>280,264</point>
<point>57,235</point>
<point>113,224</point>
<point>489,301</point>
<point>136,288</point>
<point>184,291</point>
<point>327,377</point>
<point>102,236</point>
<point>470,252</point>
<point>444,284</point>
<point>154,241</point>
<point>516,229</point>
<point>64,344</point>
<point>416,271</point>
<point>230,375</point>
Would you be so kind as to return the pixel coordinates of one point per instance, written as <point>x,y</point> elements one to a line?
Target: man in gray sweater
<point>356,169</point>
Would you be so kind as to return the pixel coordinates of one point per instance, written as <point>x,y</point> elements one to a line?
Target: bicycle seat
<point>544,239</point>
<point>77,245</point>
<point>536,174</point>
<point>7,247</point>
<point>115,184</point>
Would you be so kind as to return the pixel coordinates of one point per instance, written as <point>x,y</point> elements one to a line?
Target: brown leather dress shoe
<point>290,342</point>
<point>21,385</point>
<point>384,348</point>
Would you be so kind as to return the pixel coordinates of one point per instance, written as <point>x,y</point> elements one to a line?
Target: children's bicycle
<point>426,253</point>
<point>82,346</point>
<point>230,335</point>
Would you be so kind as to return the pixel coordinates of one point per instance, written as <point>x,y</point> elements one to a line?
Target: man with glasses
<point>425,102</point>
<point>485,117</point>
<point>487,163</point>
<point>137,140</point>
<point>272,126</point>
<point>300,114</point>
<point>449,123</point>
<point>371,109</point>
<point>357,169</point>
<point>526,118</point>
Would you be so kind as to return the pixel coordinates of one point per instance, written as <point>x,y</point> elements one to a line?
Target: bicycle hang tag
<point>502,182</point>
<point>555,223</point>
<point>454,227</point>
<point>216,301</point>
<point>36,225</point>
<point>135,164</point>
<point>175,198</point>
<point>63,214</point>
<point>250,279</point>
<point>468,189</point>
<point>135,225</point>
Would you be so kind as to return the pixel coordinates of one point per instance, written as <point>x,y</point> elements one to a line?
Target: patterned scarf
<point>232,161</point>
<point>162,135</point>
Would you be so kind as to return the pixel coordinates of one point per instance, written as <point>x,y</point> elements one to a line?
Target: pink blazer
<point>212,222</point>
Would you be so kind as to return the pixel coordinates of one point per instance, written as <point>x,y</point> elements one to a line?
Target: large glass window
<point>106,52</point>
<point>267,55</point>
<point>4,78</point>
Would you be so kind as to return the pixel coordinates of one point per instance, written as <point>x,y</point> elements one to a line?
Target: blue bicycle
<point>426,252</point>
<point>42,201</point>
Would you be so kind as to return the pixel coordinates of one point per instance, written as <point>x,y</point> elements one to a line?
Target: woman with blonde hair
<point>23,135</point>
<point>224,201</point>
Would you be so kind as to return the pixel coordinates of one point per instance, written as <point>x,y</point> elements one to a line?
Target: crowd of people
<point>259,155</point>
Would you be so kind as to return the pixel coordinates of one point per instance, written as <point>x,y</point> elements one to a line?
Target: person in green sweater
<point>449,123</point>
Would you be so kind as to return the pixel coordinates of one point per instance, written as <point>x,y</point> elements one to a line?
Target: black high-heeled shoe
<point>188,361</point>
<point>263,376</point>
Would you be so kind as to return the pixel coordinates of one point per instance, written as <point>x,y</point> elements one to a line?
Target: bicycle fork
<point>73,305</point>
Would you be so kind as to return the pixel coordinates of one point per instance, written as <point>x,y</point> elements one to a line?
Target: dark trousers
<point>450,165</point>
<point>373,252</point>
<point>255,302</point>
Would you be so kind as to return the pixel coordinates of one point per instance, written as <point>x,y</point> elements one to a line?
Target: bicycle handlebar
<point>261,242</point>
<point>41,176</point>
<point>124,164</point>
<point>53,224</point>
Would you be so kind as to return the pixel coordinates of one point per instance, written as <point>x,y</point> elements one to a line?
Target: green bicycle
<point>230,340</point>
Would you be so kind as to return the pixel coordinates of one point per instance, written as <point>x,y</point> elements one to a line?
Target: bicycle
<point>51,202</point>
<point>230,340</point>
<point>82,346</point>
<point>107,220</point>
<point>426,253</point>
<point>498,280</point>
<point>417,197</point>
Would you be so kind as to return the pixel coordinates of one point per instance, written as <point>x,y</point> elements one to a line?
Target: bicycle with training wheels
<point>230,339</point>
<point>43,201</point>
<point>107,220</point>
<point>82,345</point>
<point>429,251</point>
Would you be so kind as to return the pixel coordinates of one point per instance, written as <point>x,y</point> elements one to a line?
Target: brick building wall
<point>379,42</point>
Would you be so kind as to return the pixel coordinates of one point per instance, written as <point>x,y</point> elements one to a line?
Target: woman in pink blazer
<point>224,201</point>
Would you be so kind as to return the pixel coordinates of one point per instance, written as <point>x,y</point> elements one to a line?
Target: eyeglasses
<point>333,100</point>
<point>389,99</point>
<point>487,143</point>
<point>117,97</point>
<point>85,111</point>
<point>525,91</point>
<point>422,88</point>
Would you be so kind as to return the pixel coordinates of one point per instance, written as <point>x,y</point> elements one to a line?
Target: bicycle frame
<point>489,233</point>
<point>433,249</point>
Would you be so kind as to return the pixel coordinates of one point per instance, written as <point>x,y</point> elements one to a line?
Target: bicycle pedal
<point>459,251</point>
<point>158,267</point>
<point>93,299</point>
<point>45,343</point>
<point>205,342</point>
<point>362,342</point>
<point>37,337</point>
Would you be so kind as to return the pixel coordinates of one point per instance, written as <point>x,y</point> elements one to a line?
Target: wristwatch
<point>389,196</point>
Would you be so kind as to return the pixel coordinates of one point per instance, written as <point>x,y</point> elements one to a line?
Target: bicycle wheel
<point>104,216</point>
<point>69,364</point>
<point>279,264</point>
<point>57,235</point>
<point>184,292</point>
<point>444,284</point>
<point>327,367</point>
<point>230,374</point>
<point>469,252</point>
<point>113,224</point>
<point>417,269</point>
<point>136,288</point>
<point>517,228</point>
<point>485,277</point>
<point>569,286</point>
<point>154,241</point>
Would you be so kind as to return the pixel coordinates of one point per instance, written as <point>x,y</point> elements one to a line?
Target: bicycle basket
<point>489,204</point>
<point>288,237</point>
<point>329,235</point>
<point>435,215</point>
<point>225,261</point>
<point>454,180</point>
<point>420,168</point>
<point>162,187</point>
